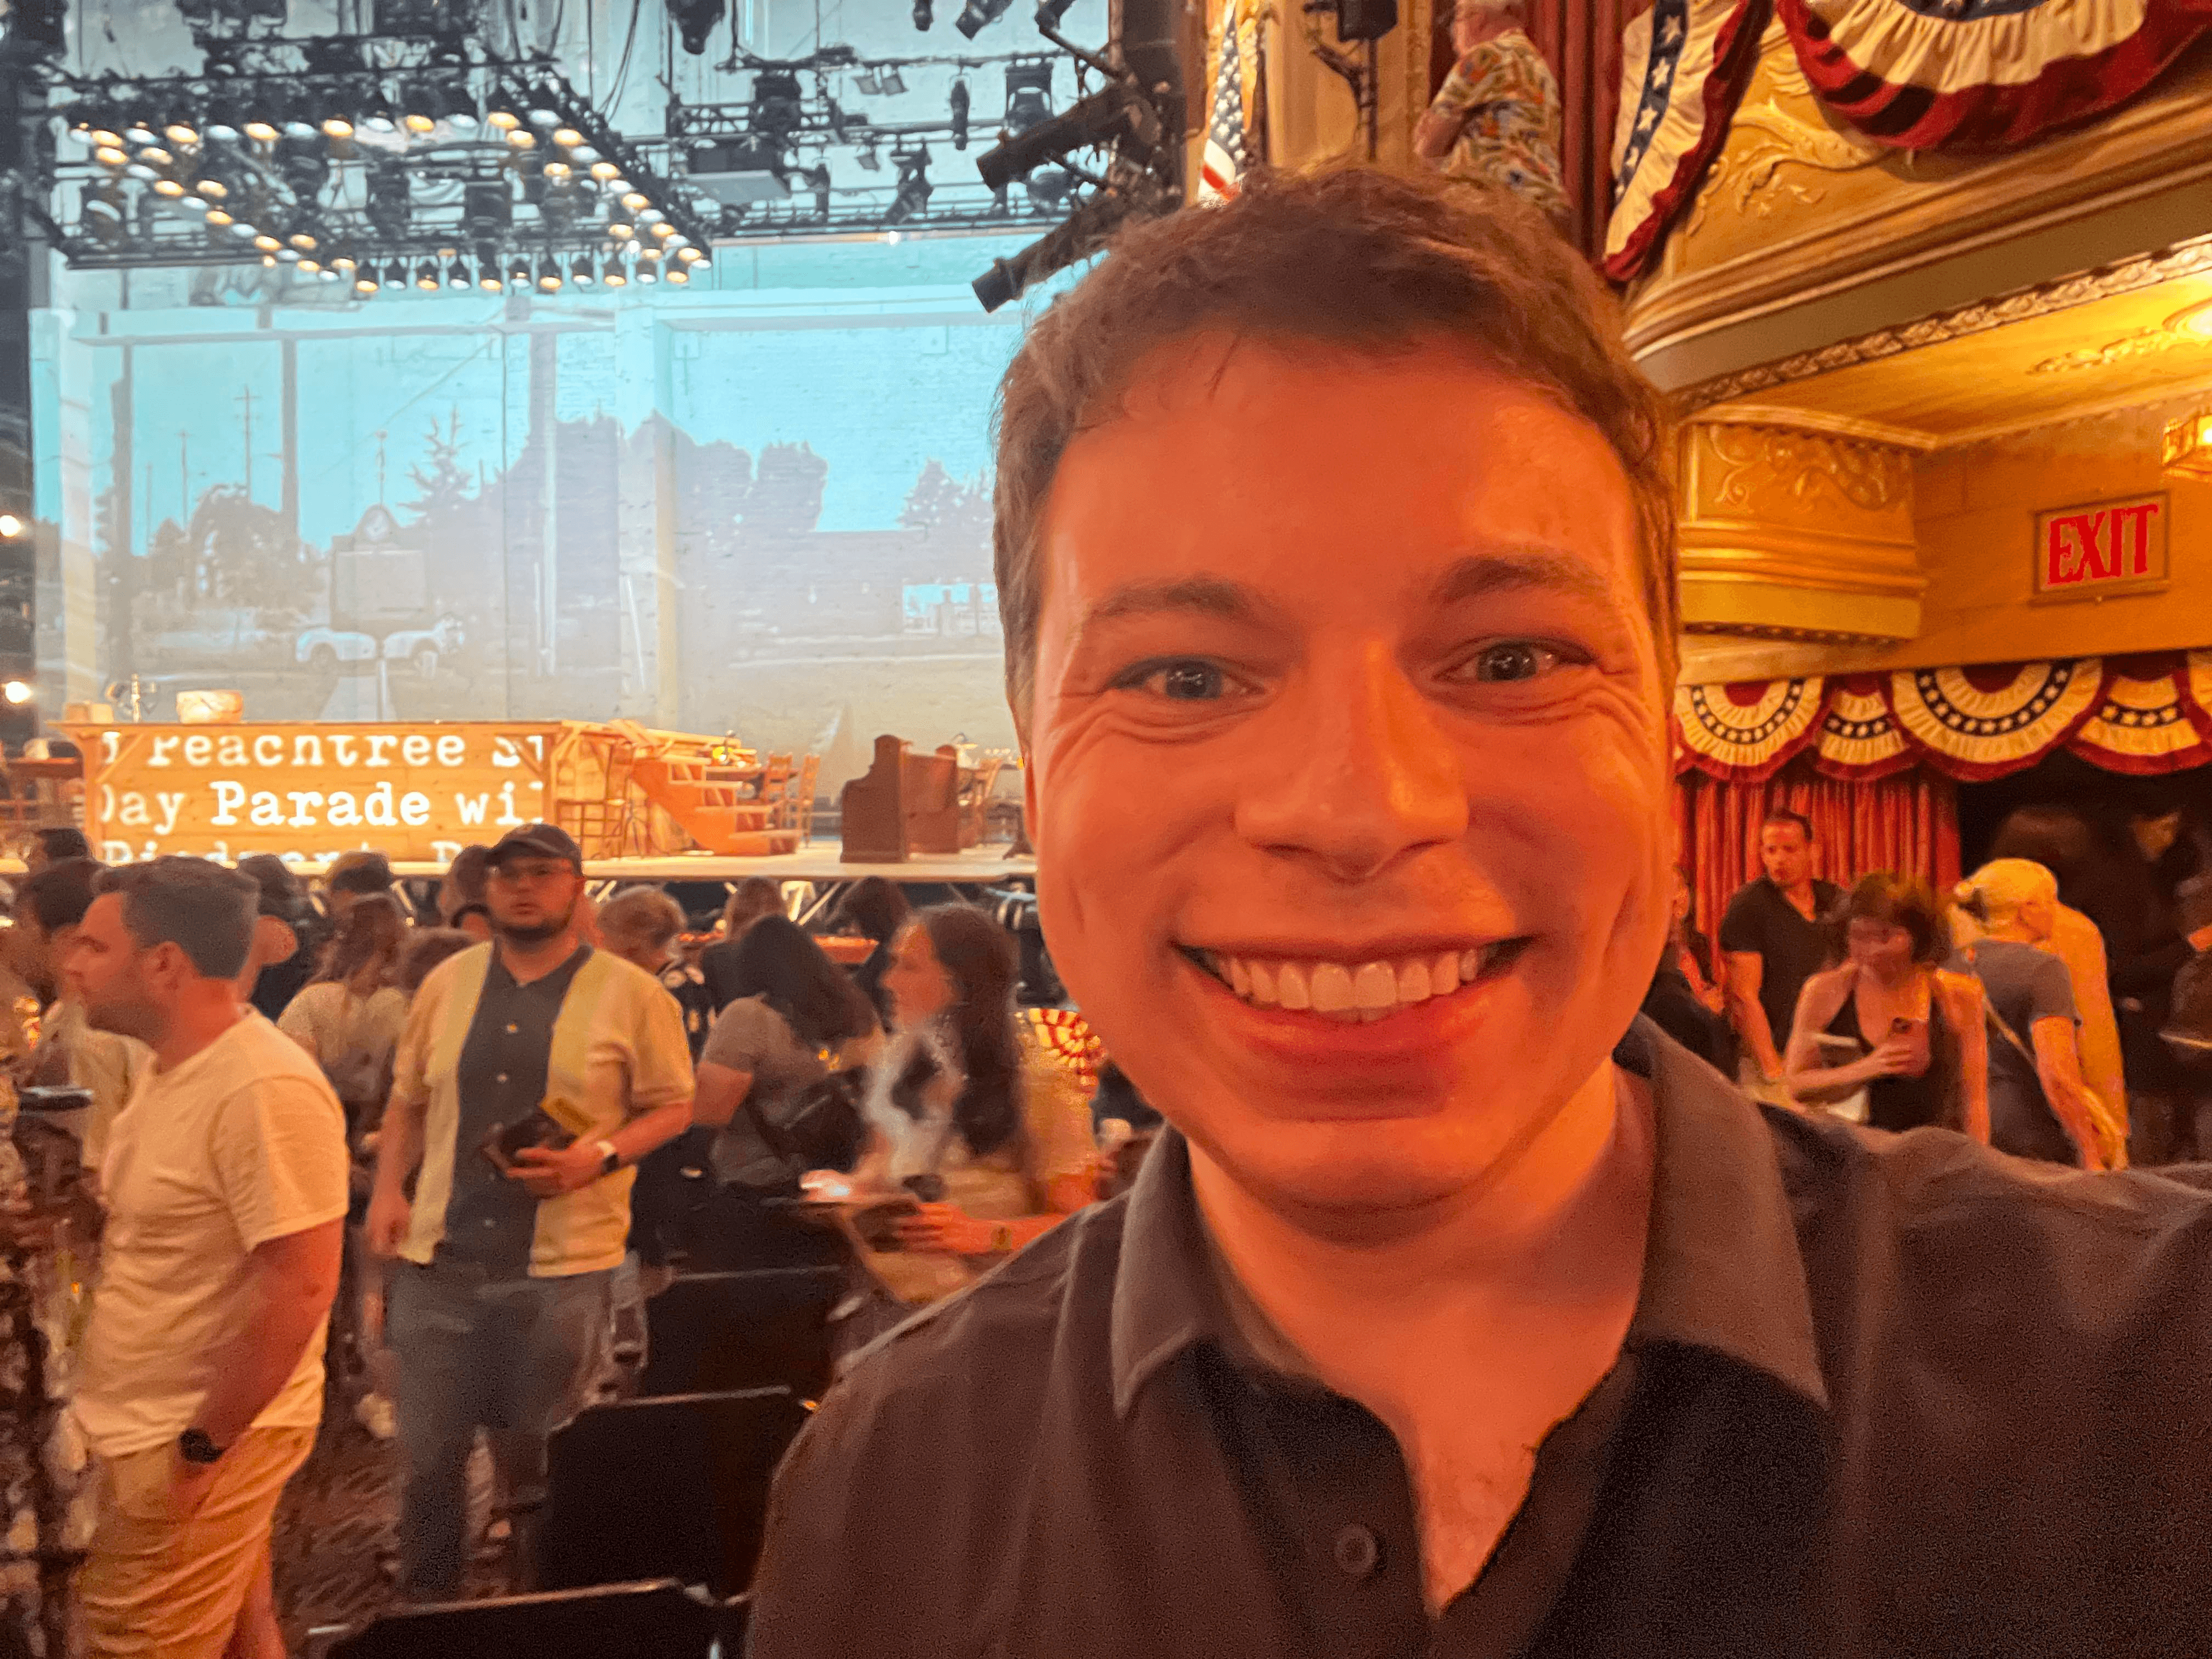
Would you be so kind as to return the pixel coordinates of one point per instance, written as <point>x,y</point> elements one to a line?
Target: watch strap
<point>196,1446</point>
<point>609,1159</point>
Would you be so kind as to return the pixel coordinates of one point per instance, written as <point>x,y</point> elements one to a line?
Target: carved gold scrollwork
<point>1749,172</point>
<point>1758,461</point>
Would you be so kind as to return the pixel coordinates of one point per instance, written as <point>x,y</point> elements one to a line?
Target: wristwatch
<point>194,1447</point>
<point>609,1159</point>
<point>1002,1239</point>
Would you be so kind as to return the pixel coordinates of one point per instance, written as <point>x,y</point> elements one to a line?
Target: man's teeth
<point>1361,991</point>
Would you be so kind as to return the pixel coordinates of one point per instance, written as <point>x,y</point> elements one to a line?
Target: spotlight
<point>263,132</point>
<point>518,272</point>
<point>978,15</point>
<point>614,278</point>
<point>182,134</point>
<point>459,276</point>
<point>427,277</point>
<point>109,156</point>
<point>549,276</point>
<point>18,692</point>
<point>604,172</point>
<point>10,527</point>
<point>695,21</point>
<point>647,276</point>
<point>213,189</point>
<point>223,121</point>
<point>636,201</point>
<point>169,187</point>
<point>913,186</point>
<point>365,281</point>
<point>1029,95</point>
<point>690,255</point>
<point>303,241</point>
<point>337,124</point>
<point>542,112</point>
<point>296,122</point>
<point>867,86</point>
<point>305,165</point>
<point>103,137</point>
<point>663,229</point>
<point>419,105</point>
<point>379,116</point>
<point>1048,188</point>
<point>925,13</point>
<point>620,232</point>
<point>266,242</point>
<point>678,275</point>
<point>154,156</point>
<point>567,137</point>
<point>310,266</point>
<point>581,273</point>
<point>502,116</point>
<point>521,138</point>
<point>344,262</point>
<point>459,107</point>
<point>892,82</point>
<point>487,209</point>
<point>395,275</point>
<point>778,107</point>
<point>390,199</point>
<point>139,132</point>
<point>487,276</point>
<point>960,103</point>
<point>217,216</point>
<point>558,171</point>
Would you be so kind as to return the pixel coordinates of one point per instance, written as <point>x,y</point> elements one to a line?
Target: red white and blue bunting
<point>2140,715</point>
<point>1983,74</point>
<point>1684,64</point>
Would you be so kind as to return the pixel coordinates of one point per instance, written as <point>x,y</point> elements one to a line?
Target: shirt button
<point>502,1078</point>
<point>511,1030</point>
<point>1356,1551</point>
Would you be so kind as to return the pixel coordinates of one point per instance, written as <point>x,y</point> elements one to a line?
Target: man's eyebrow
<point>1521,569</point>
<point>1203,596</point>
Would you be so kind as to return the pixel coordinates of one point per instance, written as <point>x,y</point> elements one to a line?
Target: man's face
<point>533,899</point>
<point>1344,672</point>
<point>117,983</point>
<point>1786,853</point>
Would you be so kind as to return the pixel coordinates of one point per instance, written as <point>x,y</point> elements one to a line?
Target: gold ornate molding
<point>1749,175</point>
<point>2187,327</point>
<point>1792,533</point>
<point>2126,276</point>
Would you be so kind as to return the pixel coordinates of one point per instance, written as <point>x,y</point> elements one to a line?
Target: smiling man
<point>1460,1312</point>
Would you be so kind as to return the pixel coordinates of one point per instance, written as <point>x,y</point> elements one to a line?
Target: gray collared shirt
<point>1880,1395</point>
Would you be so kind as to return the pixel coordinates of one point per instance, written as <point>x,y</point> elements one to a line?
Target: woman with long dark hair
<point>350,1016</point>
<point>876,909</point>
<point>793,1019</point>
<point>999,1134</point>
<point>752,900</point>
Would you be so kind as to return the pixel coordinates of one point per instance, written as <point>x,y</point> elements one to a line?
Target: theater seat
<point>742,1330</point>
<point>664,1488</point>
<point>657,1616</point>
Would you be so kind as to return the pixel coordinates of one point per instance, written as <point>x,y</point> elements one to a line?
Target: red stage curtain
<point>1581,40</point>
<point>1908,822</point>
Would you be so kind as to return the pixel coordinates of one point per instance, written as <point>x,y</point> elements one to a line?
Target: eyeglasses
<point>517,875</point>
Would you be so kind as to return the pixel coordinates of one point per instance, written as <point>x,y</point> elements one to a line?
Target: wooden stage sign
<point>311,790</point>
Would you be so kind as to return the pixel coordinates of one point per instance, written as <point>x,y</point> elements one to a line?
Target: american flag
<point>1225,127</point>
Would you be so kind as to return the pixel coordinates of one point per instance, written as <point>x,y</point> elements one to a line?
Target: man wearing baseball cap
<point>534,1073</point>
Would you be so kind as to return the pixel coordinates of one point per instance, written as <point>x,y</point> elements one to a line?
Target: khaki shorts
<point>155,1581</point>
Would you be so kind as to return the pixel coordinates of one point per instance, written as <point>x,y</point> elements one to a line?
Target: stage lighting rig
<point>1028,95</point>
<point>1119,117</point>
<point>961,98</point>
<point>913,190</point>
<point>695,20</point>
<point>978,15</point>
<point>925,13</point>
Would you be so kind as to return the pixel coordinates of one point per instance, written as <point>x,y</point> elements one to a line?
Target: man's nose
<point>1357,773</point>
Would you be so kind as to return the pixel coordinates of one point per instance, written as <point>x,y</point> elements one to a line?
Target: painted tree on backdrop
<point>953,515</point>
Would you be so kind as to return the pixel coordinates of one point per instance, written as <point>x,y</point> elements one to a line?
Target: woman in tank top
<point>1893,1022</point>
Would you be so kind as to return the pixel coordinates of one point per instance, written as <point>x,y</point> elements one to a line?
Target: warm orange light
<point>2188,444</point>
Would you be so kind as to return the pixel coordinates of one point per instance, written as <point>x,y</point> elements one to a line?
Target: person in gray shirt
<point>2039,1107</point>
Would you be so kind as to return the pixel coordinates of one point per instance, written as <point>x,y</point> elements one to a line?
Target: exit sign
<point>2100,548</point>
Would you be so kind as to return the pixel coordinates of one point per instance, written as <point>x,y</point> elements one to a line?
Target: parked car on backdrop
<point>332,650</point>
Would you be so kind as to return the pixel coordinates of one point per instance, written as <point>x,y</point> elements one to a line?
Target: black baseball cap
<point>544,841</point>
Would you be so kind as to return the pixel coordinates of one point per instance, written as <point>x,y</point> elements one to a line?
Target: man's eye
<point>1510,661</point>
<point>1180,682</point>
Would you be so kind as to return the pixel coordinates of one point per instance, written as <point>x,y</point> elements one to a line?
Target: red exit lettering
<point>2099,545</point>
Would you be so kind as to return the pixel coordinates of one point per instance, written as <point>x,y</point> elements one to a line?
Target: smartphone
<point>878,1224</point>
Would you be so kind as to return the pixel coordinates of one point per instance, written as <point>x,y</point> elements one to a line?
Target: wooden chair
<point>743,1330</point>
<point>667,1488</point>
<point>931,801</point>
<point>873,809</point>
<point>657,1616</point>
<point>976,784</point>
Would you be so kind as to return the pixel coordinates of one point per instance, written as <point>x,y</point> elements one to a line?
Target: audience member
<point>56,846</point>
<point>1497,120</point>
<point>50,905</point>
<point>641,925</point>
<point>1775,936</point>
<point>462,890</point>
<point>1892,1020</point>
<point>794,1017</point>
<point>2039,1107</point>
<point>288,937</point>
<point>426,948</point>
<point>202,1382</point>
<point>875,909</point>
<point>532,1074</point>
<point>1684,999</point>
<point>752,898</point>
<point>350,1018</point>
<point>966,1096</point>
<point>352,876</point>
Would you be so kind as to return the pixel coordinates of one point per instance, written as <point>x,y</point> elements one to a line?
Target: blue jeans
<point>517,1355</point>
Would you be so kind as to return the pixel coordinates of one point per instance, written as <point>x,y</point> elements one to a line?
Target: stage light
<point>960,103</point>
<point>636,201</point>
<point>892,82</point>
<point>567,137</point>
<point>217,216</point>
<point>10,527</point>
<point>488,277</point>
<point>867,86</point>
<point>344,262</point>
<point>644,253</point>
<point>364,282</point>
<point>213,189</point>
<point>690,255</point>
<point>18,692</point>
<point>663,229</point>
<point>521,138</point>
<point>581,273</point>
<point>103,137</point>
<point>303,241</point>
<point>978,14</point>
<point>695,21</point>
<point>503,118</point>
<point>182,134</point>
<point>620,232</point>
<point>167,187</point>
<point>263,133</point>
<point>108,155</point>
<point>914,190</point>
<point>104,213</point>
<point>427,277</point>
<point>518,272</point>
<point>296,120</point>
<point>647,276</point>
<point>154,156</point>
<point>614,278</point>
<point>139,132</point>
<point>559,172</point>
<point>1029,95</point>
<point>678,275</point>
<point>310,266</point>
<point>266,243</point>
<point>379,116</point>
<point>1048,188</point>
<point>395,275</point>
<point>305,165</point>
<point>549,276</point>
<point>603,172</point>
<point>337,124</point>
<point>460,276</point>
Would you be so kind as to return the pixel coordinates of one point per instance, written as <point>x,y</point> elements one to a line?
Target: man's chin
<point>534,932</point>
<point>1358,1173</point>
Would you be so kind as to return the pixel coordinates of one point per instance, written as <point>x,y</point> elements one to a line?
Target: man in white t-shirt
<point>225,1177</point>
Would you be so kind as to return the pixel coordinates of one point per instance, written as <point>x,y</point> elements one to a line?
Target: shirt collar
<point>1722,1270</point>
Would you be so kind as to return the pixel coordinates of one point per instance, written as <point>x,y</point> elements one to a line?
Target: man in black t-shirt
<point>1774,939</point>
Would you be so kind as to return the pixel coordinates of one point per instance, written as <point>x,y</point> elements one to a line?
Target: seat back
<point>932,801</point>
<point>657,1616</point>
<point>872,808</point>
<point>674,1487</point>
<point>742,1330</point>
